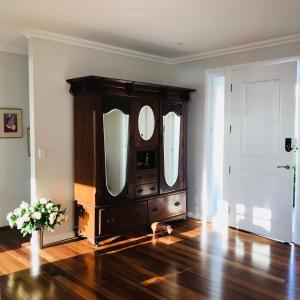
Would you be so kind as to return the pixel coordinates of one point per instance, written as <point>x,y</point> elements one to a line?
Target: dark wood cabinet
<point>129,154</point>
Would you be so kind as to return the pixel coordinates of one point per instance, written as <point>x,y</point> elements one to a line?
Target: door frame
<point>227,72</point>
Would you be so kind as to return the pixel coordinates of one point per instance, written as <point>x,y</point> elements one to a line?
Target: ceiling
<point>167,28</point>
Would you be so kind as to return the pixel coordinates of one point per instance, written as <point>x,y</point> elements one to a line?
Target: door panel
<point>257,139</point>
<point>262,116</point>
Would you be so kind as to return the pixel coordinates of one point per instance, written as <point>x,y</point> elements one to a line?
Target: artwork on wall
<point>11,124</point>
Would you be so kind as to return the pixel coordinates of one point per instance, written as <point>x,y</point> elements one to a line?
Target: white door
<point>262,113</point>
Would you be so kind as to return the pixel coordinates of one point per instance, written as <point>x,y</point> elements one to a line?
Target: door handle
<point>285,167</point>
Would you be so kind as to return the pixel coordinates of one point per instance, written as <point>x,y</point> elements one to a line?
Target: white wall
<point>192,74</point>
<point>14,161</point>
<point>51,104</point>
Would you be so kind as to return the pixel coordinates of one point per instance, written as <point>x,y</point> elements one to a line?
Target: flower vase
<point>37,239</point>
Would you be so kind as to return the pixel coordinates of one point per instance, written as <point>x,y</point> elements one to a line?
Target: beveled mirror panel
<point>146,122</point>
<point>115,125</point>
<point>171,137</point>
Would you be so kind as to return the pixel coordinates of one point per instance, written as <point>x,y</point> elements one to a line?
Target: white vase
<point>36,245</point>
<point>37,239</point>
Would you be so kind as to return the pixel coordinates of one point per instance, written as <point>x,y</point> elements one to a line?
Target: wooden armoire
<point>129,153</point>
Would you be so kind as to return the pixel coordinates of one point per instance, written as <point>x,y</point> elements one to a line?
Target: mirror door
<point>172,147</point>
<point>171,144</point>
<point>116,126</point>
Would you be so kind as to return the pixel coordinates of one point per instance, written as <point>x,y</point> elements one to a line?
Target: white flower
<point>17,211</point>
<point>36,215</point>
<point>49,205</point>
<point>24,205</point>
<point>44,200</point>
<point>52,218</point>
<point>11,223</point>
<point>20,222</point>
<point>26,217</point>
<point>9,216</point>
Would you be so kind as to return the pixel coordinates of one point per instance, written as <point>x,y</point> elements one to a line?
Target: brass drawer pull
<point>110,220</point>
<point>140,191</point>
<point>153,188</point>
<point>154,209</point>
<point>177,203</point>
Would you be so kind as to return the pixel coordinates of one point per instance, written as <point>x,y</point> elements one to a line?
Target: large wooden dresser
<point>129,154</point>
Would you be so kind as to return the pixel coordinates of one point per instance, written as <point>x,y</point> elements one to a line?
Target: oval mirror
<point>115,125</point>
<point>171,137</point>
<point>146,122</point>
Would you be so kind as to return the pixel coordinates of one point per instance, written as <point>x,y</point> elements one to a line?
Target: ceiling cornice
<point>61,38</point>
<point>46,35</point>
<point>237,49</point>
<point>14,50</point>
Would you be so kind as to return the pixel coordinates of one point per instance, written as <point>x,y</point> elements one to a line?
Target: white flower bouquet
<point>44,214</point>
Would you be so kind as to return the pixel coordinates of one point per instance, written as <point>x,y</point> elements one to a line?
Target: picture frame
<point>11,123</point>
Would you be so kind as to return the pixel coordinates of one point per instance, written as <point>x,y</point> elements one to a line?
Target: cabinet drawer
<point>166,207</point>
<point>146,176</point>
<point>122,217</point>
<point>145,190</point>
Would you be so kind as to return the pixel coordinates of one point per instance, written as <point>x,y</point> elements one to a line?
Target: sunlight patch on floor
<point>191,233</point>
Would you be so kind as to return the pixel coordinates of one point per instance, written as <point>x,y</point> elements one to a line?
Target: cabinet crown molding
<point>128,88</point>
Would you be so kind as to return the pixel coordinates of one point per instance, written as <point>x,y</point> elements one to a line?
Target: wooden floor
<point>196,262</point>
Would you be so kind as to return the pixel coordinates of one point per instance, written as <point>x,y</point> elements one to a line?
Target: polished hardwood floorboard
<point>197,261</point>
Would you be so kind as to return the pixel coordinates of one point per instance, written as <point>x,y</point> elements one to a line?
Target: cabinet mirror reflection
<point>146,122</point>
<point>115,125</point>
<point>171,144</point>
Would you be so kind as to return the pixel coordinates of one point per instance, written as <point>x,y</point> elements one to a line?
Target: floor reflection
<point>196,261</point>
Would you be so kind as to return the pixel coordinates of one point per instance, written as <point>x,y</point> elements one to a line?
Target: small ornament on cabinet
<point>160,229</point>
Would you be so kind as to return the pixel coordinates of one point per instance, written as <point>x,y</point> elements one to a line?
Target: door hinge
<point>229,169</point>
<point>231,87</point>
<point>230,129</point>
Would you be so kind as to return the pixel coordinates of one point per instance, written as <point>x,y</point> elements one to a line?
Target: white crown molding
<point>237,49</point>
<point>56,37</point>
<point>14,50</point>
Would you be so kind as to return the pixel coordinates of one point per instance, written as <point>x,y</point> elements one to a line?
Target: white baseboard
<point>58,237</point>
<point>193,215</point>
<point>197,217</point>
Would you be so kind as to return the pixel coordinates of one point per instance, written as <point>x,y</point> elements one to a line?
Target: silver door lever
<point>285,167</point>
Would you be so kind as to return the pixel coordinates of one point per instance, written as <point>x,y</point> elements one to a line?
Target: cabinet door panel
<point>122,217</point>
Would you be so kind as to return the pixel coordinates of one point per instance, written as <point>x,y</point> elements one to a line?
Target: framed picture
<point>11,123</point>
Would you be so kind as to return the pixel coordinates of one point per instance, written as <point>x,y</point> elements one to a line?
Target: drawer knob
<point>140,191</point>
<point>177,203</point>
<point>154,209</point>
<point>153,188</point>
<point>110,220</point>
